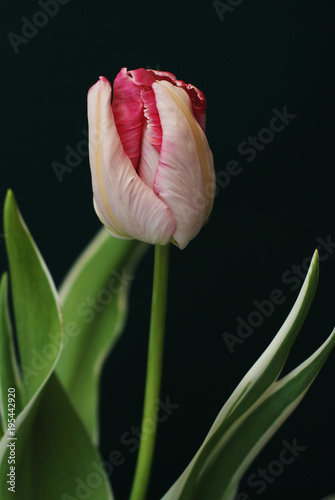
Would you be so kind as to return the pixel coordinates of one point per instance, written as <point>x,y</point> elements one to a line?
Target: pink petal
<point>143,76</point>
<point>185,178</point>
<point>154,130</point>
<point>126,205</point>
<point>143,79</point>
<point>146,78</point>
<point>128,114</point>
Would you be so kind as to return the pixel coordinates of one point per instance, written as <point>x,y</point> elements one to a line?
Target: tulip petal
<point>126,205</point>
<point>143,79</point>
<point>128,114</point>
<point>154,128</point>
<point>197,97</point>
<point>149,160</point>
<point>199,105</point>
<point>185,178</point>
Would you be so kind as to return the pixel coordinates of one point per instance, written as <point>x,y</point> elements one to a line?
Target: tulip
<point>152,169</point>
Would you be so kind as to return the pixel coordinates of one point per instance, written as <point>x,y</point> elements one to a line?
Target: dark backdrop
<point>252,60</point>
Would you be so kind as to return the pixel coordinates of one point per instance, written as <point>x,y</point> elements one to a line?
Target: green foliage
<point>55,456</point>
<point>55,363</point>
<point>94,306</point>
<point>255,410</point>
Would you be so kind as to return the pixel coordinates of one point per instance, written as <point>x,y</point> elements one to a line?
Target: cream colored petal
<point>185,178</point>
<point>126,204</point>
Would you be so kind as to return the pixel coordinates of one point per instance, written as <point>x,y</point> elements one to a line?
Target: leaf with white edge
<point>53,450</point>
<point>56,459</point>
<point>9,373</point>
<point>257,380</point>
<point>235,449</point>
<point>36,307</point>
<point>37,316</point>
<point>94,306</point>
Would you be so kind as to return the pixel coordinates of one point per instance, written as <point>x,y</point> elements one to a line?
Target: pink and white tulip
<point>152,169</point>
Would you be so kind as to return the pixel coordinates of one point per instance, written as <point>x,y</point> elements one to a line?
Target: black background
<point>262,55</point>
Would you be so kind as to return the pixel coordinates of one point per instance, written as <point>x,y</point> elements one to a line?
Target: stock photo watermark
<point>74,157</point>
<point>247,150</point>
<point>11,439</point>
<point>253,145</point>
<point>264,476</point>
<point>222,8</point>
<point>129,443</point>
<point>31,26</point>
<point>263,309</point>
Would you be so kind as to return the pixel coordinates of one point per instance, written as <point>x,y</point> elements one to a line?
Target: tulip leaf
<point>37,316</point>
<point>36,307</point>
<point>249,434</point>
<point>258,382</point>
<point>53,450</point>
<point>55,457</point>
<point>94,300</point>
<point>9,373</point>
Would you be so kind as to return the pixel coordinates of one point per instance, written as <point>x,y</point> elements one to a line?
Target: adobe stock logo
<point>84,487</point>
<point>264,476</point>
<point>223,7</point>
<point>253,145</point>
<point>263,309</point>
<point>73,158</point>
<point>30,28</point>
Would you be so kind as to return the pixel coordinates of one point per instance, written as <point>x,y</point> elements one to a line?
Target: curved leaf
<point>249,434</point>
<point>38,327</point>
<point>36,306</point>
<point>94,300</point>
<point>53,450</point>
<point>252,387</point>
<point>9,373</point>
<point>55,457</point>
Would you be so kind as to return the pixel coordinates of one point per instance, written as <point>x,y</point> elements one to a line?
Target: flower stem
<point>154,374</point>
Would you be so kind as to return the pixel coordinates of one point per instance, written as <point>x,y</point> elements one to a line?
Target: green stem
<point>154,374</point>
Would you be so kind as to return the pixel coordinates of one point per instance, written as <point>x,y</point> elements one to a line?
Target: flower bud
<point>152,170</point>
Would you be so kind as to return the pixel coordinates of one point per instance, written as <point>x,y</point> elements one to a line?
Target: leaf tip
<point>9,202</point>
<point>9,196</point>
<point>314,266</point>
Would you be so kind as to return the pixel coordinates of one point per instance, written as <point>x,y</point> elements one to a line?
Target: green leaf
<point>37,316</point>
<point>251,431</point>
<point>94,300</point>
<point>257,382</point>
<point>9,373</point>
<point>52,447</point>
<point>55,455</point>
<point>37,311</point>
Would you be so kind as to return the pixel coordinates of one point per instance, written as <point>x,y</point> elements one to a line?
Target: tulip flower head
<point>152,169</point>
